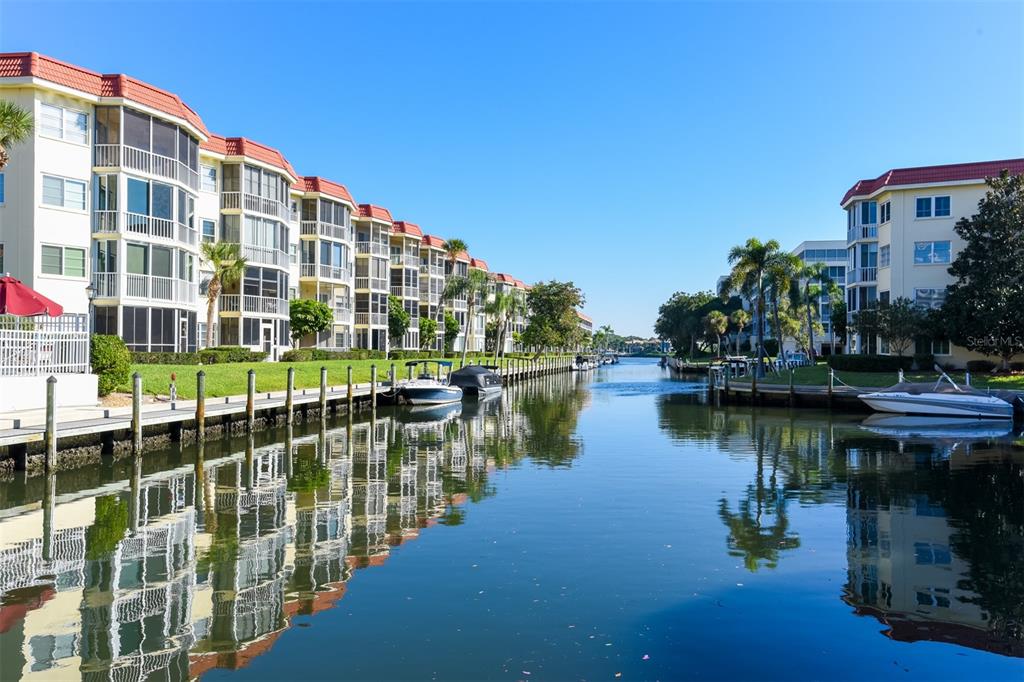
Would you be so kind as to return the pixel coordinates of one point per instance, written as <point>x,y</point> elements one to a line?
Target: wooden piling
<point>51,423</point>
<point>323,392</point>
<point>289,398</point>
<point>137,414</point>
<point>350,395</point>
<point>250,402</point>
<point>201,406</point>
<point>373,386</point>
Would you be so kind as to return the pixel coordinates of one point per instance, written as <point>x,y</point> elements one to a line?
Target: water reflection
<point>200,558</point>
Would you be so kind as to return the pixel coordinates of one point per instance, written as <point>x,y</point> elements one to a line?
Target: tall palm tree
<point>812,281</point>
<point>750,263</point>
<point>500,307</point>
<point>471,287</point>
<point>15,126</point>
<point>716,323</point>
<point>453,248</point>
<point>228,267</point>
<point>782,272</point>
<point>740,318</point>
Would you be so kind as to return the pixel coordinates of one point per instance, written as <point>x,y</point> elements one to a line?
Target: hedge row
<point>208,356</point>
<point>870,363</point>
<point>307,354</point>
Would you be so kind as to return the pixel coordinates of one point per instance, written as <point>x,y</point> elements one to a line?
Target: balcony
<point>371,283</point>
<point>136,225</point>
<point>430,297</point>
<point>317,228</point>
<point>373,249</point>
<point>405,292</point>
<point>861,275</point>
<point>264,305</point>
<point>252,203</point>
<point>263,255</point>
<point>372,319</point>
<point>342,315</point>
<point>312,270</point>
<point>862,232</point>
<point>120,156</point>
<point>150,287</point>
<point>432,270</point>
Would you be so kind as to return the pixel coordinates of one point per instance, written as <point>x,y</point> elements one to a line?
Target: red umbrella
<point>18,299</point>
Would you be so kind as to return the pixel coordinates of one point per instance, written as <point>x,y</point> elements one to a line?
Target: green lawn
<point>818,376</point>
<point>231,379</point>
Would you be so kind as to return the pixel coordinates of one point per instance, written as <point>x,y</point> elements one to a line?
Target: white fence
<point>31,346</point>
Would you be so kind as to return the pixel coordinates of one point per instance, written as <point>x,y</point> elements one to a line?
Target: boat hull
<point>939,404</point>
<point>432,395</point>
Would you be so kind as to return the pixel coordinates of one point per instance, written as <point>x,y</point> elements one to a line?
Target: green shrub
<point>297,355</point>
<point>160,358</point>
<point>869,363</point>
<point>111,362</point>
<point>228,354</point>
<point>980,366</point>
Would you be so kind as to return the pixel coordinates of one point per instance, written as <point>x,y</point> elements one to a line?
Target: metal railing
<point>264,255</point>
<point>335,272</point>
<point>372,319</point>
<point>265,305</point>
<point>429,297</point>
<point>317,227</point>
<point>138,224</point>
<point>32,347</point>
<point>405,292</point>
<point>373,249</point>
<point>145,286</point>
<point>255,203</point>
<point>123,156</point>
<point>855,275</point>
<point>862,232</point>
<point>432,270</point>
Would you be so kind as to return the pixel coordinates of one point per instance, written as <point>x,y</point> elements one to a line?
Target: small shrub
<point>162,358</point>
<point>869,363</point>
<point>980,366</point>
<point>111,362</point>
<point>297,355</point>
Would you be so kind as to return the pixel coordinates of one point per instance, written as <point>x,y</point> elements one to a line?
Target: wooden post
<point>323,396</point>
<point>201,406</point>
<point>711,381</point>
<point>792,390</point>
<point>51,423</point>
<point>392,376</point>
<point>137,413</point>
<point>831,382</point>
<point>373,386</point>
<point>725,394</point>
<point>350,395</point>
<point>289,398</point>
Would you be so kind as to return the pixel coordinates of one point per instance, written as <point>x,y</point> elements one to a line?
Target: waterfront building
<point>458,267</point>
<point>477,342</point>
<point>586,324</point>
<point>832,254</point>
<point>433,258</point>
<point>900,240</point>
<point>405,277</point>
<point>373,253</point>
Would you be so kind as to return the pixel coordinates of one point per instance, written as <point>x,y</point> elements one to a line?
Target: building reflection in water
<point>168,575</point>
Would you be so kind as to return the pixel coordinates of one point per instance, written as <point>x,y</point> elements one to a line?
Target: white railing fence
<point>31,346</point>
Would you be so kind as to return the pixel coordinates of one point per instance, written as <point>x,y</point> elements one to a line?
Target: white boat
<point>427,389</point>
<point>944,398</point>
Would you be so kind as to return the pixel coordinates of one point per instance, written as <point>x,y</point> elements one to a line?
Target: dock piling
<point>391,376</point>
<point>373,386</point>
<point>350,396</point>
<point>201,405</point>
<point>250,402</point>
<point>136,413</point>
<point>831,384</point>
<point>323,392</point>
<point>51,423</point>
<point>289,398</point>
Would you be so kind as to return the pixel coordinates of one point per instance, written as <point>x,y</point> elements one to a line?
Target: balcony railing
<point>325,272</point>
<point>316,227</point>
<point>137,224</point>
<point>372,319</point>
<point>430,298</point>
<point>151,287</point>
<point>373,249</point>
<point>432,270</point>
<point>405,292</point>
<point>264,305</point>
<point>342,315</point>
<point>855,275</point>
<point>371,283</point>
<point>862,232</point>
<point>122,156</point>
<point>254,203</point>
<point>264,255</point>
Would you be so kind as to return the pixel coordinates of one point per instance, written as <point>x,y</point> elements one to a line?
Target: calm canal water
<point>579,527</point>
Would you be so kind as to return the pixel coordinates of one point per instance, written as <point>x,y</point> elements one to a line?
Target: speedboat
<point>944,398</point>
<point>477,380</point>
<point>428,389</point>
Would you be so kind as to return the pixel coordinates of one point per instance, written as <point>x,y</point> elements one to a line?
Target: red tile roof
<point>33,64</point>
<point>520,284</point>
<point>583,317</point>
<point>378,212</point>
<point>312,183</point>
<point>431,240</point>
<point>462,255</point>
<point>243,146</point>
<point>478,263</point>
<point>408,229</point>
<point>926,174</point>
<point>502,277</point>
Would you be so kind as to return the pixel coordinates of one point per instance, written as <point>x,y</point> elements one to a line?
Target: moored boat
<point>477,380</point>
<point>428,389</point>
<point>944,398</point>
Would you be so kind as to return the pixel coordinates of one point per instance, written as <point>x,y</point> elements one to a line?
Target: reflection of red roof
<point>242,146</point>
<point>35,65</point>
<point>956,172</point>
<point>376,212</point>
<point>431,240</point>
<point>408,229</point>
<point>478,263</point>
<point>312,183</point>
<point>907,628</point>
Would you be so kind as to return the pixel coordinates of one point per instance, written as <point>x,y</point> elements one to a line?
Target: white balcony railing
<point>122,156</point>
<point>137,224</point>
<point>105,284</point>
<point>317,227</point>
<point>405,292</point>
<point>264,305</point>
<point>150,287</point>
<point>855,275</point>
<point>342,315</point>
<point>372,283</point>
<point>335,272</point>
<point>373,249</point>
<point>372,319</point>
<point>264,255</point>
<point>862,232</point>
<point>432,270</point>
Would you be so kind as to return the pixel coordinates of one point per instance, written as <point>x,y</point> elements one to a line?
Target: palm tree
<point>750,264</point>
<point>470,287</point>
<point>782,272</point>
<point>15,126</point>
<point>836,299</point>
<point>740,318</point>
<point>716,323</point>
<point>228,267</point>
<point>813,281</point>
<point>501,309</point>
<point>453,248</point>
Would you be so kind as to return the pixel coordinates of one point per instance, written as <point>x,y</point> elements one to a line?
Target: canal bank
<point>582,525</point>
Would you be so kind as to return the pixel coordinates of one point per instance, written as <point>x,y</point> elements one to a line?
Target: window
<point>63,192</point>
<point>930,298</point>
<point>886,212</point>
<point>208,178</point>
<point>62,260</point>
<point>105,256</point>
<point>883,256</point>
<point>868,212</point>
<point>924,207</point>
<point>941,207</point>
<point>136,129</point>
<point>930,253</point>
<point>105,193</point>
<point>1,192</point>
<point>209,230</point>
<point>137,257</point>
<point>108,125</point>
<point>64,124</point>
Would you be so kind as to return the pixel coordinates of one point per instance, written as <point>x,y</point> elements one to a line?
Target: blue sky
<point>623,146</point>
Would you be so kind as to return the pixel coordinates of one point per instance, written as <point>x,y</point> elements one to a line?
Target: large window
<point>151,198</point>
<point>868,212</point>
<point>137,259</point>
<point>142,131</point>
<point>931,253</point>
<point>264,183</point>
<point>105,255</point>
<point>63,124</point>
<point>186,209</point>
<point>209,230</point>
<point>62,260</point>
<point>883,256</point>
<point>105,193</point>
<point>265,232</point>
<point>928,207</point>
<point>334,213</point>
<point>63,192</point>
<point>108,125</point>
<point>208,178</point>
<point>942,207</point>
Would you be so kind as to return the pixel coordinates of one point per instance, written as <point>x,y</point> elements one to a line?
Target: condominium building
<point>832,254</point>
<point>106,206</point>
<point>477,341</point>
<point>900,240</point>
